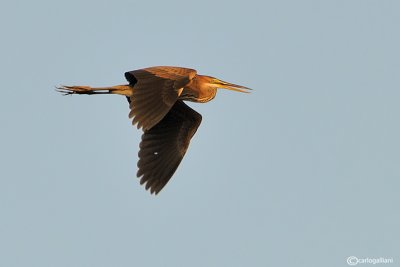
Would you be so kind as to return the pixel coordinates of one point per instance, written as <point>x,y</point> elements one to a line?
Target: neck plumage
<point>198,91</point>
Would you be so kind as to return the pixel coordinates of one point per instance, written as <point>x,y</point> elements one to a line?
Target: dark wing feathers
<point>163,146</point>
<point>168,123</point>
<point>156,90</point>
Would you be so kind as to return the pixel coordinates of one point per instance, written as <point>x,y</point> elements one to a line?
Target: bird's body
<point>155,97</point>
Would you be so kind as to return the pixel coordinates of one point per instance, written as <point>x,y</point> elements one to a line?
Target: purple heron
<point>155,97</point>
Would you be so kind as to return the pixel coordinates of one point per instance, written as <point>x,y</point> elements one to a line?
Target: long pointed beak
<point>233,87</point>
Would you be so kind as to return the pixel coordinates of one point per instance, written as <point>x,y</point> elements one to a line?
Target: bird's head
<point>215,83</point>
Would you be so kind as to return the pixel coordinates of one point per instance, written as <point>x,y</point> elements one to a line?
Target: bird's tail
<point>125,89</point>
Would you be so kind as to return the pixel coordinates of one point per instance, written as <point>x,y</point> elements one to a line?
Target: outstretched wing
<point>155,91</point>
<point>163,146</point>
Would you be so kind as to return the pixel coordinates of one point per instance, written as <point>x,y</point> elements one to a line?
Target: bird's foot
<point>70,90</point>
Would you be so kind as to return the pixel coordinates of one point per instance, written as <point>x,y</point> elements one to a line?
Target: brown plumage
<point>155,97</point>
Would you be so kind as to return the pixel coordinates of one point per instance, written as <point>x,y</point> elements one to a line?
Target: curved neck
<point>198,91</point>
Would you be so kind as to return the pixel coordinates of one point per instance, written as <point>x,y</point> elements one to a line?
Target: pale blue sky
<point>302,172</point>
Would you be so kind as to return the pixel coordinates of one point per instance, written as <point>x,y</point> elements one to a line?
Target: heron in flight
<point>155,97</point>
